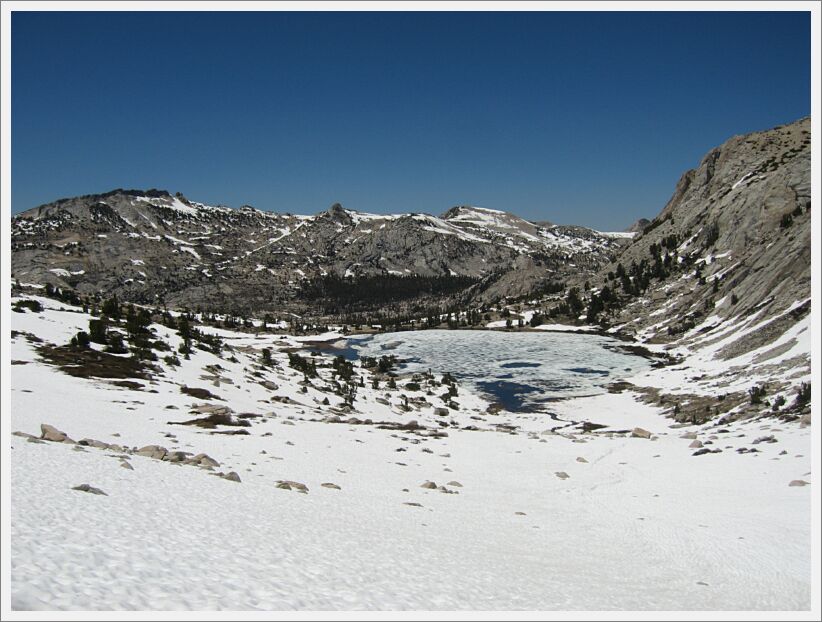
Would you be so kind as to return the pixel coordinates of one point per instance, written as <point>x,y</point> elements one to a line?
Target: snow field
<point>642,524</point>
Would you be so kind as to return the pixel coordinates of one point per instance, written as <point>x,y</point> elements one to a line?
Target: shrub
<point>97,331</point>
<point>143,354</point>
<point>300,363</point>
<point>711,235</point>
<point>32,305</point>
<point>116,345</point>
<point>344,369</point>
<point>81,340</point>
<point>111,308</point>
<point>756,393</point>
<point>386,363</point>
<point>803,395</point>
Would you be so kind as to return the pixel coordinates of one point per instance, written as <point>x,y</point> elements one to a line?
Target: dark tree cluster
<point>338,295</point>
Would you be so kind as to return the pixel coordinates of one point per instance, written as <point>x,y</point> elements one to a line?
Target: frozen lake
<point>520,370</point>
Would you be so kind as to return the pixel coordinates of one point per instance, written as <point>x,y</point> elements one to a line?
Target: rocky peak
<point>638,226</point>
<point>732,242</point>
<point>337,213</point>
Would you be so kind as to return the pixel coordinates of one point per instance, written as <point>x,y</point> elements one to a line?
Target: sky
<point>576,118</point>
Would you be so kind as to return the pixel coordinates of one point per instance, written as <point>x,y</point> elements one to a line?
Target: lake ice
<point>520,370</point>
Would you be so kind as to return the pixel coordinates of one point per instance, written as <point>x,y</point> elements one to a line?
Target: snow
<point>560,328</point>
<point>188,249</point>
<point>177,240</point>
<point>437,225</point>
<point>627,235</point>
<point>741,180</point>
<point>169,202</point>
<point>361,217</point>
<point>641,525</point>
<point>705,342</point>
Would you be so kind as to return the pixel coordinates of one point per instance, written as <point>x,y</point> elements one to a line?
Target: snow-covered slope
<point>549,515</point>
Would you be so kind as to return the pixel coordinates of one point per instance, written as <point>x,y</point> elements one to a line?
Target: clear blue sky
<point>577,118</point>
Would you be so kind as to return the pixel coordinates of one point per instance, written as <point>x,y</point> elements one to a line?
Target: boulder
<point>126,465</point>
<point>211,409</point>
<point>454,483</point>
<point>288,484</point>
<point>176,456</point>
<point>50,433</point>
<point>695,444</point>
<point>203,460</point>
<point>805,420</point>
<point>581,459</point>
<point>330,485</point>
<point>640,433</point>
<point>90,442</point>
<point>152,451</point>
<point>562,475</point>
<point>232,477</point>
<point>430,485</point>
<point>441,412</point>
<point>798,482</point>
<point>88,488</point>
<point>764,439</point>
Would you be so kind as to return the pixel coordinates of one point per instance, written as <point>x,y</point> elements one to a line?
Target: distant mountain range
<point>151,246</point>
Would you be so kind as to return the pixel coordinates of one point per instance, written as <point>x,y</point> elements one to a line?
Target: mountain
<point>639,226</point>
<point>151,246</point>
<point>721,278</point>
<point>737,226</point>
